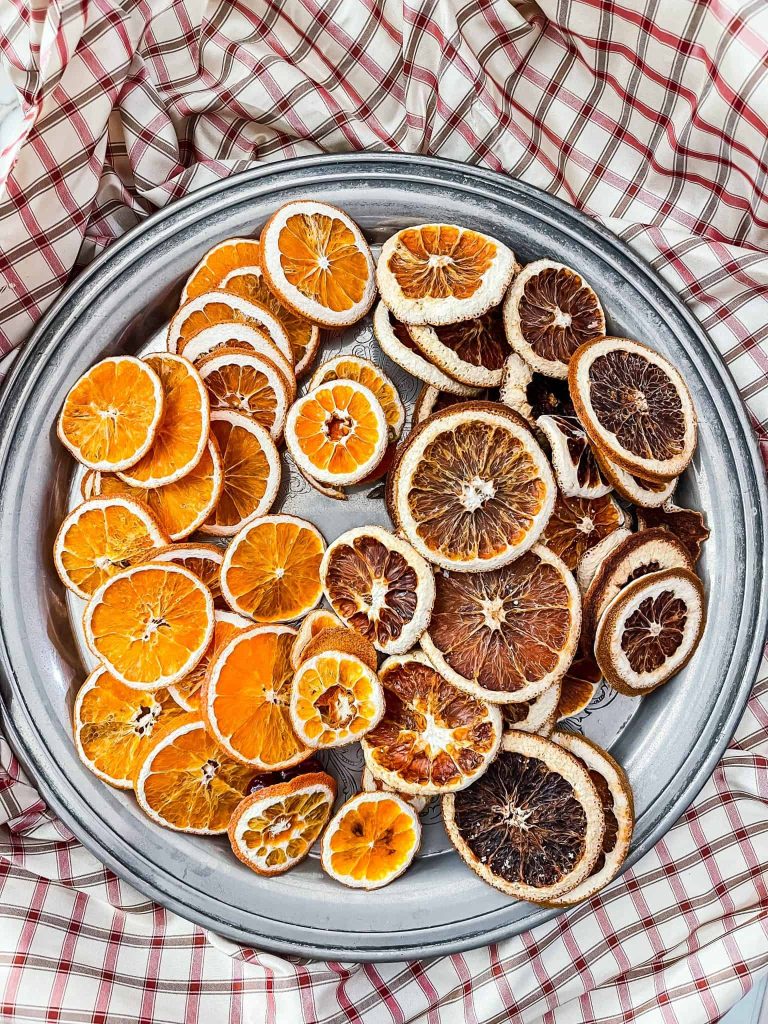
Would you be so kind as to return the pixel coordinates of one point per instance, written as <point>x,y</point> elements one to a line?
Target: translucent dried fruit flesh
<point>186,692</point>
<point>578,686</point>
<point>221,260</point>
<point>558,312</point>
<point>337,429</point>
<point>577,524</point>
<point>686,524</point>
<point>320,256</point>
<point>251,468</point>
<point>209,313</point>
<point>336,699</point>
<point>278,832</point>
<point>204,560</point>
<point>372,841</point>
<point>441,261</point>
<point>654,631</point>
<point>371,377</point>
<point>246,383</point>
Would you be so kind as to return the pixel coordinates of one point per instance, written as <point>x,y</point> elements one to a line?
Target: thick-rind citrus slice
<point>471,487</point>
<point>471,351</point>
<point>335,699</point>
<point>594,557</point>
<point>111,414</point>
<point>578,686</point>
<point>442,273</point>
<point>188,783</point>
<point>549,311</point>
<point>433,738</point>
<point>240,336</point>
<point>150,624</point>
<point>370,784</point>
<point>577,524</point>
<point>114,726</point>
<point>380,586</point>
<point>365,372</point>
<point>181,438</point>
<point>645,493</point>
<point>533,825</point>
<point>249,383</point>
<point>650,630</point>
<point>687,524</point>
<point>204,560</point>
<point>634,406</point>
<point>516,377</point>
<point>316,622</point>
<point>252,470</point>
<point>316,260</point>
<point>576,468</point>
<point>371,840</point>
<point>219,261</point>
<point>247,695</point>
<point>539,714</point>
<point>212,309</point>
<point>271,570</point>
<point>187,692</point>
<point>274,829</point>
<point>100,538</point>
<point>507,634</point>
<point>341,640</point>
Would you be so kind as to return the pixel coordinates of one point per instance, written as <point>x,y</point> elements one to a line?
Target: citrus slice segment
<point>219,261</point>
<point>433,738</point>
<point>114,726</point>
<point>246,701</point>
<point>271,570</point>
<point>150,624</point>
<point>371,840</point>
<point>111,414</point>
<point>252,471</point>
<point>380,586</point>
<point>577,470</point>
<point>473,351</point>
<point>187,692</point>
<point>577,524</point>
<point>242,337</point>
<point>516,378</point>
<point>507,634</point>
<point>204,560</point>
<point>370,784</point>
<point>645,493</point>
<point>100,538</point>
<point>249,383</point>
<point>337,433</point>
<point>188,783</point>
<point>370,376</point>
<point>578,686</point>
<point>687,524</point>
<point>442,273</point>
<point>594,557</point>
<point>539,714</point>
<point>340,640</point>
<point>549,311</point>
<point>316,622</point>
<point>533,825</point>
<point>471,487</point>
<point>217,308</point>
<point>650,630</point>
<point>316,260</point>
<point>335,700</point>
<point>87,483</point>
<point>634,406</point>
<point>274,829</point>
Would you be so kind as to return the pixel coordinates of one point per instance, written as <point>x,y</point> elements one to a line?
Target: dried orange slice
<point>87,481</point>
<point>340,640</point>
<point>539,714</point>
<point>316,261</point>
<point>219,261</point>
<point>249,383</point>
<point>645,493</point>
<point>240,336</point>
<point>578,686</point>
<point>634,406</point>
<point>516,378</point>
<point>372,377</point>
<point>533,825</point>
<point>188,783</point>
<point>433,738</point>
<point>335,699</point>
<point>271,570</point>
<point>337,433</point>
<point>576,468</point>
<point>507,634</point>
<point>371,840</point>
<point>378,585</point>
<point>471,488</point>
<point>182,436</point>
<point>274,829</point>
<point>577,524</point>
<point>246,702</point>
<point>318,621</point>
<point>115,725</point>
<point>213,309</point>
<point>441,273</point>
<point>687,524</point>
<point>110,416</point>
<point>252,471</point>
<point>187,692</point>
<point>473,351</point>
<point>594,557</point>
<point>100,538</point>
<point>150,624</point>
<point>370,784</point>
<point>204,560</point>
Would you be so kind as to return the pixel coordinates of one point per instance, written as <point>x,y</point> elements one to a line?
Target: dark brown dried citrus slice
<point>592,559</point>
<point>539,714</point>
<point>576,468</point>
<point>634,406</point>
<point>506,634</point>
<point>578,686</point>
<point>472,351</point>
<point>688,525</point>
<point>533,825</point>
<point>577,524</point>
<point>550,311</point>
<point>645,493</point>
<point>433,738</point>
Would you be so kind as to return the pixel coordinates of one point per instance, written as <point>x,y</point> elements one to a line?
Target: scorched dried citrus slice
<point>506,634</point>
<point>539,714</point>
<point>370,376</point>
<point>471,487</point>
<point>433,738</point>
<point>243,337</point>
<point>249,383</point>
<point>316,622</point>
<point>533,825</point>
<point>634,406</point>
<point>204,560</point>
<point>110,416</point>
<point>217,308</point>
<point>687,524</point>
<point>578,686</point>
<point>576,468</point>
<point>335,699</point>
<point>219,261</point>
<point>370,784</point>
<point>549,311</point>
<point>472,351</point>
<point>274,829</point>
<point>187,692</point>
<point>341,640</point>
<point>645,493</point>
<point>441,273</point>
<point>317,262</point>
<point>577,524</point>
<point>371,840</point>
<point>377,584</point>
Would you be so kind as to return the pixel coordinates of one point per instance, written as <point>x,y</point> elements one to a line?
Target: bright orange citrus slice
<point>212,309</point>
<point>249,383</point>
<point>371,376</point>
<point>243,337</point>
<point>219,261</point>
<point>311,626</point>
<point>188,692</point>
<point>204,560</point>
<point>335,699</point>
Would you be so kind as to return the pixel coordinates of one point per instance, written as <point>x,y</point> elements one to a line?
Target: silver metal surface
<point>669,742</point>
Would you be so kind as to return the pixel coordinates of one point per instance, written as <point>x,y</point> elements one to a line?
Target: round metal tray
<point>669,742</point>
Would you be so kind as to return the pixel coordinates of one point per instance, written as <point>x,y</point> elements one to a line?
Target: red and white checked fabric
<point>647,114</point>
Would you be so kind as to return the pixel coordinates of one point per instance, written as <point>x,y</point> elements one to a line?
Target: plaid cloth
<point>650,116</point>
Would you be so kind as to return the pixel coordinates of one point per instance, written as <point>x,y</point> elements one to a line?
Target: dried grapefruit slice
<point>341,640</point>
<point>239,336</point>
<point>577,524</point>
<point>111,414</point>
<point>645,493</point>
<point>549,311</point>
<point>687,524</point>
<point>533,825</point>
<point>217,308</point>
<point>433,738</point>
<point>187,692</point>
<point>370,784</point>
<point>576,468</point>
<point>507,634</point>
<point>594,557</point>
<point>274,829</point>
<point>219,261</point>
<point>204,560</point>
<point>634,406</point>
<point>516,377</point>
<point>316,622</point>
<point>539,714</point>
<point>316,260</point>
<point>473,351</point>
<point>100,538</point>
<point>371,840</point>
<point>650,630</point>
<point>578,686</point>
<point>271,570</point>
<point>370,376</point>
<point>378,585</point>
<point>335,699</point>
<point>248,383</point>
<point>441,273</point>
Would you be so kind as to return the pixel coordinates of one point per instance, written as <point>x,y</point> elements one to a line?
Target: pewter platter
<point>669,742</point>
